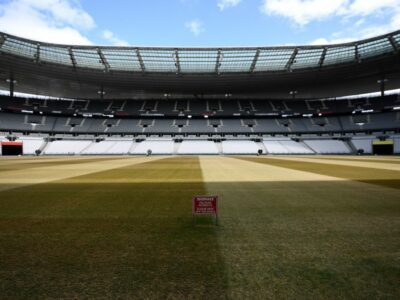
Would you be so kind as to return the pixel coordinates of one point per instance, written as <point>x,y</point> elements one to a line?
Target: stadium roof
<point>192,70</point>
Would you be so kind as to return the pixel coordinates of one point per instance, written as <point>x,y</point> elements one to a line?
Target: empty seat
<point>198,147</point>
<point>294,147</point>
<point>363,143</point>
<point>328,146</point>
<point>156,147</point>
<point>120,147</point>
<point>65,147</point>
<point>239,147</point>
<point>275,147</point>
<point>31,144</point>
<point>98,148</point>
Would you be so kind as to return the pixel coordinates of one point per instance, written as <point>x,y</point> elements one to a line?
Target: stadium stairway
<point>261,146</point>
<point>219,147</point>
<point>44,145</point>
<point>306,146</point>
<point>176,148</point>
<point>87,147</point>
<point>133,147</point>
<point>350,145</point>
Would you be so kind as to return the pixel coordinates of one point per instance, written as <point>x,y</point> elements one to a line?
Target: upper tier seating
<point>171,116</point>
<point>193,106</point>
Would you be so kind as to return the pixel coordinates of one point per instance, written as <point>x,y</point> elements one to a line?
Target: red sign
<point>11,143</point>
<point>205,205</point>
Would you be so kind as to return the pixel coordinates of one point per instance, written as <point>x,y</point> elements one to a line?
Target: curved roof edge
<point>302,46</point>
<point>200,60</point>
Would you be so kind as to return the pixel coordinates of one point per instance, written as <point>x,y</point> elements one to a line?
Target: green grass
<point>302,240</point>
<point>93,237</point>
<point>71,239</point>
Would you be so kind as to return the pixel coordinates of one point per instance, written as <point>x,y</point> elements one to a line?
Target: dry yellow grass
<point>122,228</point>
<point>61,168</point>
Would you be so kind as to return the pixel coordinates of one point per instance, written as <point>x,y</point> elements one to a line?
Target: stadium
<point>104,150</point>
<point>276,100</point>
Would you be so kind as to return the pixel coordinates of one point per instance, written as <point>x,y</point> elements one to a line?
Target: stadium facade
<point>128,100</point>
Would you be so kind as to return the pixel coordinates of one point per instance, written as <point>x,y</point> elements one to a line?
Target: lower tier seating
<point>198,147</point>
<point>328,146</point>
<point>239,147</point>
<point>69,145</point>
<point>156,147</point>
<point>66,147</point>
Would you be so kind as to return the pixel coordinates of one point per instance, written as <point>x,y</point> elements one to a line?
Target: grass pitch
<point>325,228</point>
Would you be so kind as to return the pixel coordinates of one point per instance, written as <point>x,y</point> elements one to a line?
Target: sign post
<point>205,205</point>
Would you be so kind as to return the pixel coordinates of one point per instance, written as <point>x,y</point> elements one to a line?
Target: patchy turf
<point>127,233</point>
<point>366,159</point>
<point>309,240</point>
<point>88,240</point>
<point>25,164</point>
<point>387,178</point>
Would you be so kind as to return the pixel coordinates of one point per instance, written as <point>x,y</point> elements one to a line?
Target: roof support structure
<point>393,43</point>
<point>218,61</point>
<point>140,59</point>
<point>291,60</point>
<point>2,40</point>
<point>12,82</point>
<point>357,56</point>
<point>37,55</point>
<point>254,62</point>
<point>177,61</point>
<point>322,58</point>
<point>103,60</point>
<point>71,55</point>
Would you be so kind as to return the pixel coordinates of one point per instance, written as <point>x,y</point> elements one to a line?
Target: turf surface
<point>128,233</point>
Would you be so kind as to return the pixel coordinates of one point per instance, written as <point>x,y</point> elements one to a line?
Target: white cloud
<point>222,4</point>
<point>361,28</point>
<point>368,7</point>
<point>65,11</point>
<point>195,26</point>
<point>303,12</point>
<point>355,34</point>
<point>56,21</point>
<point>324,41</point>
<point>114,40</point>
<point>361,14</point>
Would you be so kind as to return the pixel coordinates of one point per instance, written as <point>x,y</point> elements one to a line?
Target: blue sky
<point>198,22</point>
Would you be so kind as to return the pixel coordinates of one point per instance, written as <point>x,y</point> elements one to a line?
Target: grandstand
<point>199,100</point>
<point>341,126</point>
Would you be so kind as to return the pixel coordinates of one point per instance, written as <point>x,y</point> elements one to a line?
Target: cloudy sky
<point>198,22</point>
